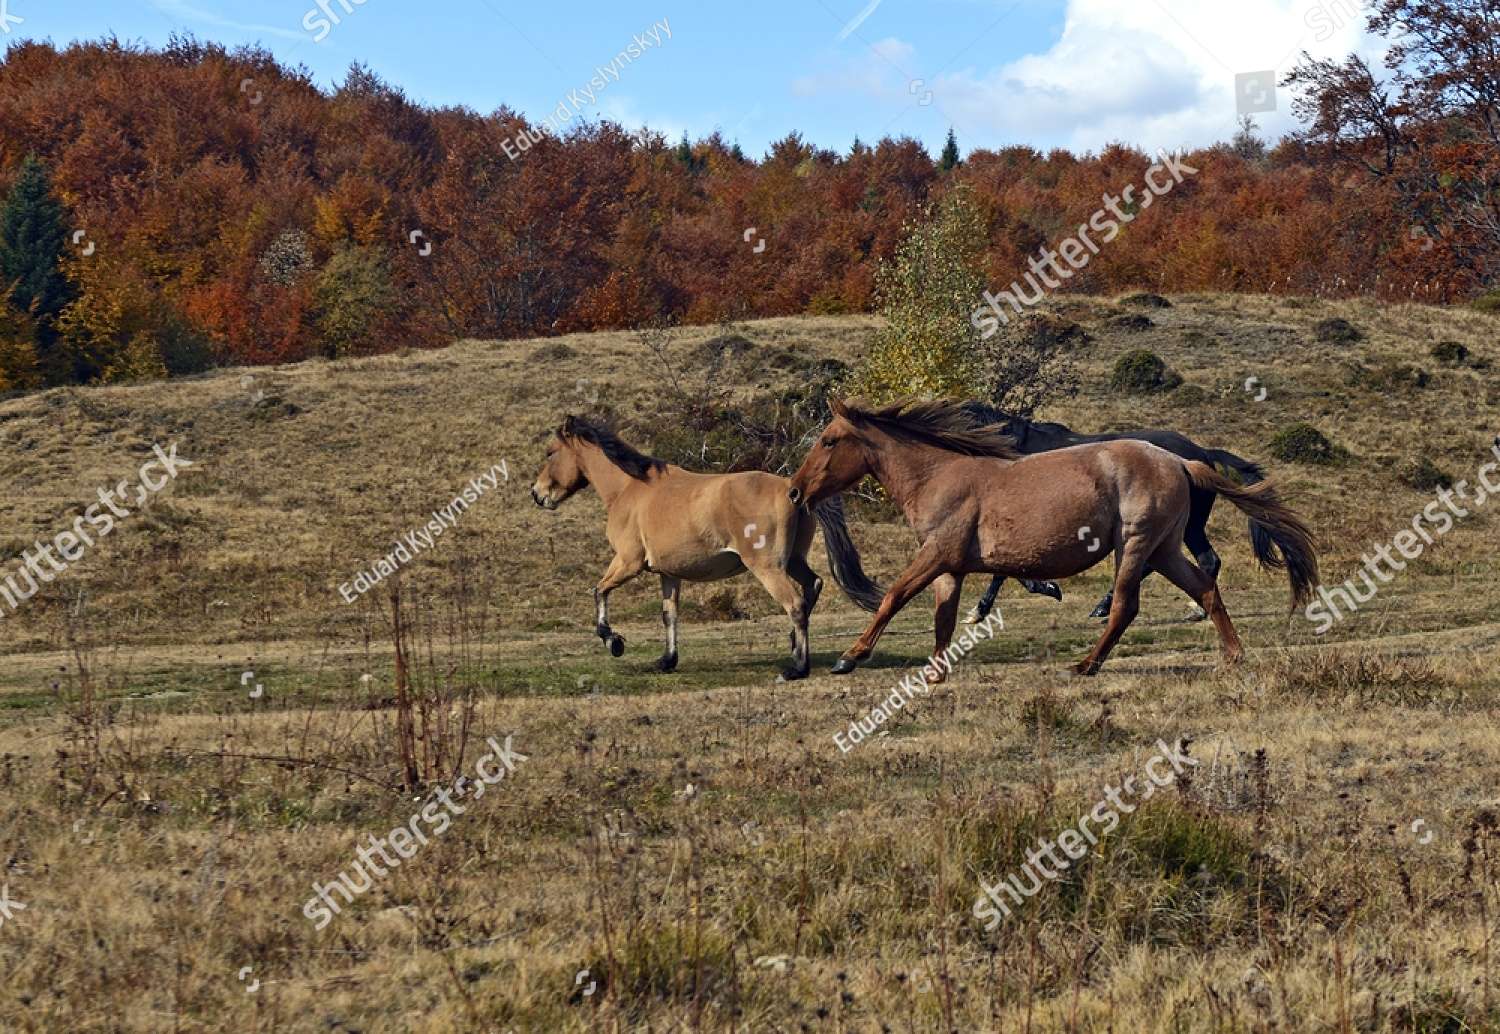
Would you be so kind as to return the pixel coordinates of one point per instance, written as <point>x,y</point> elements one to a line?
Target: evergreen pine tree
<point>33,231</point>
<point>949,157</point>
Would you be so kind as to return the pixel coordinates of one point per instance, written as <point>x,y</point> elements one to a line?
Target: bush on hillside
<point>928,348</point>
<point>1304,443</point>
<point>1141,372</point>
<point>1337,332</point>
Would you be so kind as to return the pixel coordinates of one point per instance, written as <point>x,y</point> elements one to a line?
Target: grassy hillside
<point>696,841</point>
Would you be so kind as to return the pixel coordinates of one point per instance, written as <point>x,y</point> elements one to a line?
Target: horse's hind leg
<point>620,571</point>
<point>1124,606</point>
<point>671,589</point>
<point>986,602</point>
<point>796,596</point>
<point>1191,579</point>
<point>947,590</point>
<point>1195,537</point>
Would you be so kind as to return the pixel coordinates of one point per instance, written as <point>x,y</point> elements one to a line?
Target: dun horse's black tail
<point>843,558</point>
<point>1260,537</point>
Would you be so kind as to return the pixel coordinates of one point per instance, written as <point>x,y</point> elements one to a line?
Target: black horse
<point>1031,437</point>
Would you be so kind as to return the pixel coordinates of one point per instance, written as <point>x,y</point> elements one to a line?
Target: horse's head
<point>562,472</point>
<point>839,458</point>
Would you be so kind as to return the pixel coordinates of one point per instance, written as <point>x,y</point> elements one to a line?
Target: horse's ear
<point>568,425</point>
<point>839,409</point>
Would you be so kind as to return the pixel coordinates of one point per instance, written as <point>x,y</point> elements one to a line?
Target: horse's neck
<point>608,480</point>
<point>906,470</point>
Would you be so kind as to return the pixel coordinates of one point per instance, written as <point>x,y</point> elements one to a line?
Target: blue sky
<point>1074,73</point>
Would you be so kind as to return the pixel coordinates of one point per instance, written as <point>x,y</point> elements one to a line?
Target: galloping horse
<point>1032,437</point>
<point>698,528</point>
<point>977,505</point>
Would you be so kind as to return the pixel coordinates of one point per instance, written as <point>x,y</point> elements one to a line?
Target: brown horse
<point>978,506</point>
<point>698,528</point>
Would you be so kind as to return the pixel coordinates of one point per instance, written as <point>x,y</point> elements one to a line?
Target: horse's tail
<point>843,558</point>
<point>1262,504</point>
<point>1251,474</point>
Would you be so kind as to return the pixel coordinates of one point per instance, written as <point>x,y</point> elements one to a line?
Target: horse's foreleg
<point>670,592</point>
<point>918,575</point>
<point>621,569</point>
<point>947,589</point>
<point>981,610</point>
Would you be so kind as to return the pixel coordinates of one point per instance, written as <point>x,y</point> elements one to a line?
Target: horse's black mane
<point>619,452</point>
<point>945,423</point>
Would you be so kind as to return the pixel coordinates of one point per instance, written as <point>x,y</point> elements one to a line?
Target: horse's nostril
<point>794,494</point>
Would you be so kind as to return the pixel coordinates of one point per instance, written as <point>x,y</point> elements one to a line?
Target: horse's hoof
<point>1085,670</point>
<point>843,666</point>
<point>665,663</point>
<point>793,674</point>
<point>616,645</point>
<point>976,615</point>
<point>1197,613</point>
<point>1101,610</point>
<point>1052,589</point>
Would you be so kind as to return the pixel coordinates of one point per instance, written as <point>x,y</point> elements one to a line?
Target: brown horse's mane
<point>940,422</point>
<point>619,452</point>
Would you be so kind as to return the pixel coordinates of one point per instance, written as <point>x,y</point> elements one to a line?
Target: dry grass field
<point>692,851</point>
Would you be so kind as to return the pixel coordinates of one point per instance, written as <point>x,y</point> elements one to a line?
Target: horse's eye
<point>829,443</point>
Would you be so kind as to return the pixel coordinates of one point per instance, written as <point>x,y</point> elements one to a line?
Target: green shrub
<point>1423,474</point>
<point>928,347</point>
<point>1387,376</point>
<point>1488,303</point>
<point>1337,332</point>
<point>1141,371</point>
<point>1304,443</point>
<point>1451,353</point>
<point>352,296</point>
<point>1191,395</point>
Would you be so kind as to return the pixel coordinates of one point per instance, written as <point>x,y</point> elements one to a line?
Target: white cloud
<point>1157,73</point>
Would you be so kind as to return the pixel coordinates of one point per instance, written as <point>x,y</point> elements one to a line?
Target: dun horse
<point>698,528</point>
<point>978,506</point>
<point>1031,437</point>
